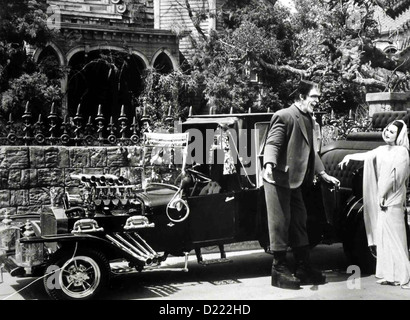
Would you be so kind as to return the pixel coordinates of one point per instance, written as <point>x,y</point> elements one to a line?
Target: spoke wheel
<point>79,277</point>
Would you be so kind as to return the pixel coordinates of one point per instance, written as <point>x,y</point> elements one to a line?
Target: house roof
<point>394,26</point>
<point>389,23</point>
<point>394,8</point>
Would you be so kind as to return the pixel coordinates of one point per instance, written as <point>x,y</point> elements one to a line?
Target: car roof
<point>217,120</point>
<point>228,119</point>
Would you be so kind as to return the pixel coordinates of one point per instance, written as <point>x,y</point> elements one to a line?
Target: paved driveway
<point>245,277</point>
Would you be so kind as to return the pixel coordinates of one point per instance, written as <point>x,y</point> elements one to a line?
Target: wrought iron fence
<point>76,131</point>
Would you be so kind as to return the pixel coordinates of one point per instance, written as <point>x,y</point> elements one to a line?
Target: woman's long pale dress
<point>387,169</point>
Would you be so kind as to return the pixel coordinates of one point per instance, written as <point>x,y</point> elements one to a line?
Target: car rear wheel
<point>81,276</point>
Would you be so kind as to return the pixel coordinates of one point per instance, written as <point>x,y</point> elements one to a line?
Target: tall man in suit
<point>290,163</point>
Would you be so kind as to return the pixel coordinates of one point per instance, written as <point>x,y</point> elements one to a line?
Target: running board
<point>203,262</point>
<point>125,269</point>
<point>214,261</point>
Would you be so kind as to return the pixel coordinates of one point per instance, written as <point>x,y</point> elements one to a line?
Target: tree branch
<point>315,69</point>
<point>368,82</point>
<point>303,73</point>
<point>194,22</point>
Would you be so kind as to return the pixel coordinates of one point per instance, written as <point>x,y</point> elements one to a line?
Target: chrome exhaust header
<point>130,250</point>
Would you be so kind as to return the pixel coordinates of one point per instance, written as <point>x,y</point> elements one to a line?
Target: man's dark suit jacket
<point>287,146</point>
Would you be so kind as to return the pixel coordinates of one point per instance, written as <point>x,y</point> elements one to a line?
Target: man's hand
<point>268,173</point>
<point>330,179</point>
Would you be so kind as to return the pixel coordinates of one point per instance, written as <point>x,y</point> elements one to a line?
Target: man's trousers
<point>287,217</point>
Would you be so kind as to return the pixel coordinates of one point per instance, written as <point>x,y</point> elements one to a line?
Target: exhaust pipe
<point>146,244</point>
<point>141,253</point>
<point>128,250</point>
<point>152,254</point>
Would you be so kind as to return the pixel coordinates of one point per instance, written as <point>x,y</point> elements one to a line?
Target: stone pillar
<point>387,101</point>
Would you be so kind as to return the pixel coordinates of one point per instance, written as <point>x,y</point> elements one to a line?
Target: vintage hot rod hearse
<point>200,187</point>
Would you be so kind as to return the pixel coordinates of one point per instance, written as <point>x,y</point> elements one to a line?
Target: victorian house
<point>104,47</point>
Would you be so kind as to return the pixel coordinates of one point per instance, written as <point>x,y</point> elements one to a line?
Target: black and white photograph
<point>204,157</point>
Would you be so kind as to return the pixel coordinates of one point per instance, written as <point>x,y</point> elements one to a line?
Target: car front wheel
<point>79,276</point>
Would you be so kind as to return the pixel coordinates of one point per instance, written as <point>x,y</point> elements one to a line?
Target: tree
<point>222,67</point>
<point>173,92</point>
<point>24,23</point>
<point>234,64</point>
<point>337,37</point>
<point>326,41</point>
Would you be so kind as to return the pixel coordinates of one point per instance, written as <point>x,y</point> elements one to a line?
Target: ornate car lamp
<point>28,254</point>
<point>7,234</point>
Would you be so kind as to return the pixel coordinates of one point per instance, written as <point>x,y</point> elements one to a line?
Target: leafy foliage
<point>164,92</point>
<point>24,23</point>
<point>35,88</point>
<point>227,61</point>
<point>326,41</point>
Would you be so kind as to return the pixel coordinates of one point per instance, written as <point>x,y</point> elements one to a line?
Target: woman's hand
<point>344,162</point>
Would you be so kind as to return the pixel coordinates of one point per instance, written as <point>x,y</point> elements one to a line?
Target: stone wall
<point>29,173</point>
<point>387,101</point>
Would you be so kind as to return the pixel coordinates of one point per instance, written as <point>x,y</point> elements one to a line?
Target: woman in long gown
<point>385,178</point>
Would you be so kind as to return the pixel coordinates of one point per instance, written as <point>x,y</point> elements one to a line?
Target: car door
<point>212,217</point>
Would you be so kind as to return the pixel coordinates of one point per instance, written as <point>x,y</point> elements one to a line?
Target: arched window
<point>104,77</point>
<point>49,63</point>
<point>163,64</point>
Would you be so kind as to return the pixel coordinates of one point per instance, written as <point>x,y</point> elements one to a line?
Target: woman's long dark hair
<point>399,126</point>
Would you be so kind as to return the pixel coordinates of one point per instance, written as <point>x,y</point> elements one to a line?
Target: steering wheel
<point>177,210</point>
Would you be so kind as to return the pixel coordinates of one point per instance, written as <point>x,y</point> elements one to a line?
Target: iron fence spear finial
<point>77,123</point>
<point>100,118</point>
<point>26,124</point>
<point>123,124</point>
<point>11,136</point>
